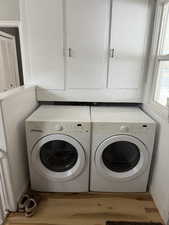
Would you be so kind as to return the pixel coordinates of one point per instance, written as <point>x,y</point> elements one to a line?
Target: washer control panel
<point>60,127</point>
<point>133,128</point>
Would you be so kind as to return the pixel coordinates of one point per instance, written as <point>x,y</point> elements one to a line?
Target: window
<point>162,65</point>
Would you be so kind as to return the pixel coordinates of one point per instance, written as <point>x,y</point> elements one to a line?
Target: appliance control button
<point>124,129</point>
<point>58,128</point>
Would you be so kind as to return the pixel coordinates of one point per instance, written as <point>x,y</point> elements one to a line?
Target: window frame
<point>153,105</point>
<point>159,56</point>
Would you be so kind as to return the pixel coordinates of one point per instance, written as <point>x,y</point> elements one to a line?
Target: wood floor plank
<point>89,209</point>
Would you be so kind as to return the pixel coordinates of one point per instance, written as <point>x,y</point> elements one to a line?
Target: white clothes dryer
<point>58,139</point>
<point>122,147</point>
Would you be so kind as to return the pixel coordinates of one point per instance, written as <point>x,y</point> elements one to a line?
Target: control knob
<point>124,129</point>
<point>58,127</point>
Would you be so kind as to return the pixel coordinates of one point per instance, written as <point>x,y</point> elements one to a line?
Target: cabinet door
<point>87,28</point>
<point>128,43</point>
<point>44,22</point>
<point>13,76</point>
<point>9,75</point>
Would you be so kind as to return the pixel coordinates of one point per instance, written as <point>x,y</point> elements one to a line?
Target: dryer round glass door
<point>58,157</point>
<point>121,157</point>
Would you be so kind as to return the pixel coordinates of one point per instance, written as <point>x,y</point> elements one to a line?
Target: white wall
<point>16,106</point>
<point>160,179</point>
<point>9,10</point>
<point>159,185</point>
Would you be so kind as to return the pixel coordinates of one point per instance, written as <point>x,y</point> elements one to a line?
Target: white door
<point>58,157</point>
<point>128,43</point>
<point>9,74</point>
<point>87,29</point>
<point>43,20</point>
<point>121,157</point>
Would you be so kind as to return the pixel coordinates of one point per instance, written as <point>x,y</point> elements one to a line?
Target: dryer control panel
<point>134,128</point>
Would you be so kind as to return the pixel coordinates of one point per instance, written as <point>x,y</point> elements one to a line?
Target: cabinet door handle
<point>112,53</point>
<point>70,52</point>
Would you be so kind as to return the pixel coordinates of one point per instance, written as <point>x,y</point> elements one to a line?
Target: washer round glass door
<point>58,157</point>
<point>121,157</point>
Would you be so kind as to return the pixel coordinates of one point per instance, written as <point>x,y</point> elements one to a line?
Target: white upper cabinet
<point>86,50</point>
<point>44,36</point>
<point>129,35</point>
<point>87,33</point>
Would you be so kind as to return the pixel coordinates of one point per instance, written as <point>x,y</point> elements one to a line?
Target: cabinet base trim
<point>105,95</point>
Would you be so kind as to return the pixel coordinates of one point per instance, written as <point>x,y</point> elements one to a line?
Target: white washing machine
<point>58,139</point>
<point>122,147</point>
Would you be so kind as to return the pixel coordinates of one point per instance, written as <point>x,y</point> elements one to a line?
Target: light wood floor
<point>89,209</point>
